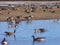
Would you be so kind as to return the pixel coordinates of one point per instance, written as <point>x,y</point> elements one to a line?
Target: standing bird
<point>28,18</point>
<point>38,39</point>
<point>27,10</point>
<point>4,42</point>
<point>58,7</point>
<point>10,25</point>
<point>52,11</point>
<point>9,19</point>
<point>10,22</point>
<point>33,8</point>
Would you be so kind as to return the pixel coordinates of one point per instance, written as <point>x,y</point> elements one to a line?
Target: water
<point>25,31</point>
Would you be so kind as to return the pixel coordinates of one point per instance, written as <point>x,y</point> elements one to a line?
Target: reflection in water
<point>25,31</point>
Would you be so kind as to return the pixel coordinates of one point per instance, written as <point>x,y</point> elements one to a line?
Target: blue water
<point>25,31</point>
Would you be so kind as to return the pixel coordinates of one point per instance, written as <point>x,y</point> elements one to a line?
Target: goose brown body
<point>39,30</point>
<point>10,33</point>
<point>39,39</point>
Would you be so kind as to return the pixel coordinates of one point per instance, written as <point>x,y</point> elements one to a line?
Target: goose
<point>17,20</point>
<point>10,18</point>
<point>28,18</point>
<point>33,9</point>
<point>58,7</point>
<point>10,21</point>
<point>10,25</point>
<point>18,17</point>
<point>52,11</point>
<point>27,10</point>
<point>56,20</point>
<point>44,10</point>
<point>46,7</point>
<point>4,42</point>
<point>39,30</point>
<point>10,33</point>
<point>38,39</point>
<point>50,7</point>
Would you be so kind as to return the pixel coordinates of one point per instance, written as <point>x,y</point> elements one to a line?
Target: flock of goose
<point>38,39</point>
<point>11,20</point>
<point>14,22</point>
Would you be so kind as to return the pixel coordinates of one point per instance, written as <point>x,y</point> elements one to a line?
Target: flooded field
<point>24,32</point>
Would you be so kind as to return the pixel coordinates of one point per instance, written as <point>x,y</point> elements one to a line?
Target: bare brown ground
<point>38,14</point>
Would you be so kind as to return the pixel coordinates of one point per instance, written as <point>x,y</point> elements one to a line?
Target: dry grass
<point>38,14</point>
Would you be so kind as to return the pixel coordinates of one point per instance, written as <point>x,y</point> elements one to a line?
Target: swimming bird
<point>39,30</point>
<point>10,33</point>
<point>4,42</point>
<point>10,25</point>
<point>56,20</point>
<point>38,39</point>
<point>10,19</point>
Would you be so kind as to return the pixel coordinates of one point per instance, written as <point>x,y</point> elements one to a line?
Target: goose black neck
<point>33,37</point>
<point>4,39</point>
